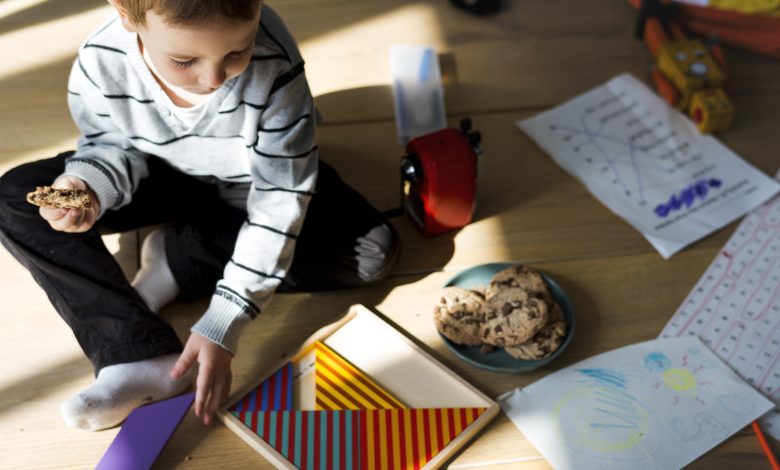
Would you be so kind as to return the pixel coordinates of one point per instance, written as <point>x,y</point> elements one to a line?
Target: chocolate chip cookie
<point>522,277</point>
<point>546,341</point>
<point>512,317</point>
<point>46,196</point>
<point>459,314</point>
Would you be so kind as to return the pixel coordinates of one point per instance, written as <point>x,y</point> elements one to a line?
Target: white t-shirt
<point>188,116</point>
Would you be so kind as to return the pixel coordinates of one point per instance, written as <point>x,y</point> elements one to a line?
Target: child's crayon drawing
<point>658,404</point>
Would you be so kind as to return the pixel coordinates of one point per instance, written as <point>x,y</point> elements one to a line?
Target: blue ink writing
<point>687,196</point>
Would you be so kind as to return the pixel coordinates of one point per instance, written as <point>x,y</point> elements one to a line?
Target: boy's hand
<point>72,220</point>
<point>214,374</point>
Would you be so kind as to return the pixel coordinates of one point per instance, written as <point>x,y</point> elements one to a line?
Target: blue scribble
<point>618,405</point>
<point>687,196</point>
<point>606,377</point>
<point>657,362</point>
<point>615,407</point>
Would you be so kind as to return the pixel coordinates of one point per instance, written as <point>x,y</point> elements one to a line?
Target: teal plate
<point>477,278</point>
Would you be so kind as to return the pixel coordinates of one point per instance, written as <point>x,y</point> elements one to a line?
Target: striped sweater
<point>258,129</point>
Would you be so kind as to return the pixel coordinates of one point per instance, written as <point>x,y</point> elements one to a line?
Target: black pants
<point>344,242</point>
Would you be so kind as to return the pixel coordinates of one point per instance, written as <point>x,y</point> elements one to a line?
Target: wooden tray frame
<point>404,344</point>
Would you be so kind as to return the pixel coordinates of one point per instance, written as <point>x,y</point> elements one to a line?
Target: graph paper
<point>735,306</point>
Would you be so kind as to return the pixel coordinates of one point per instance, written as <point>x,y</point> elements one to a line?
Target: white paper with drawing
<point>649,164</point>
<point>657,404</point>
<point>735,307</point>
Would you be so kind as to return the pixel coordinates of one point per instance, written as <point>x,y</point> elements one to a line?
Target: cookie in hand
<point>46,196</point>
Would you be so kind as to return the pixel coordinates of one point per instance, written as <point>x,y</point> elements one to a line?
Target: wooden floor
<point>532,56</point>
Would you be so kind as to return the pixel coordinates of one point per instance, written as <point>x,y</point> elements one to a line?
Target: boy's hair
<point>179,12</point>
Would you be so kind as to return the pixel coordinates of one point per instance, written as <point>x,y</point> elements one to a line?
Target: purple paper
<point>145,433</point>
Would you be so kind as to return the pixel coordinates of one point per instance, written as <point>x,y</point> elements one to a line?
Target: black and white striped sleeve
<point>104,159</point>
<point>284,164</point>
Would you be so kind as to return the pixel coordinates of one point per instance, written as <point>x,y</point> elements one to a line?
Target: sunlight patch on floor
<point>490,231</point>
<point>367,43</point>
<point>10,7</point>
<point>14,159</point>
<point>23,51</point>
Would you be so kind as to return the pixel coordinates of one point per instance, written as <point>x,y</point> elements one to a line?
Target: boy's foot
<point>154,281</point>
<point>121,388</point>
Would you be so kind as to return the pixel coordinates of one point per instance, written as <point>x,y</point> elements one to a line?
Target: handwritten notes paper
<point>648,163</point>
<point>657,404</point>
<point>735,307</point>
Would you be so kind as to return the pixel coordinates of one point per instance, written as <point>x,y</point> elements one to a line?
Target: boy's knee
<point>14,186</point>
<point>370,260</point>
<point>18,181</point>
<point>13,201</point>
<point>11,191</point>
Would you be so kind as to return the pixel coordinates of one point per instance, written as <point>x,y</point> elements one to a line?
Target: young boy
<point>197,113</point>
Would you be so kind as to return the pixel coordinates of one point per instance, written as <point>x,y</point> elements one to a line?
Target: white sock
<point>154,281</point>
<point>121,388</point>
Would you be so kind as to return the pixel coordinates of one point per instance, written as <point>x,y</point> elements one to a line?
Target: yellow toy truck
<point>688,75</point>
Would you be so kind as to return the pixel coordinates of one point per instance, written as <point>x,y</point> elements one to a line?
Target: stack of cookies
<point>515,311</point>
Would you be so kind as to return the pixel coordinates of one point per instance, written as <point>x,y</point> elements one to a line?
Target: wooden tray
<point>375,347</point>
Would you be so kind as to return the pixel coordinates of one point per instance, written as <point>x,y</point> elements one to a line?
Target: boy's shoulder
<point>109,36</point>
<point>102,57</point>
<point>274,39</point>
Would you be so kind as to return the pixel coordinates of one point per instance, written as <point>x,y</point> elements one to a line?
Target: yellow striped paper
<point>389,442</point>
<point>341,386</point>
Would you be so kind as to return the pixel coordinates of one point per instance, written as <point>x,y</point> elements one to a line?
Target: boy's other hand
<point>72,220</point>
<point>214,374</point>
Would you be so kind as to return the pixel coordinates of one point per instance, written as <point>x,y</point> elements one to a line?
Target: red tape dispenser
<point>439,179</point>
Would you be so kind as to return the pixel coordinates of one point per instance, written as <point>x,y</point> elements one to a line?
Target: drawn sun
<point>680,380</point>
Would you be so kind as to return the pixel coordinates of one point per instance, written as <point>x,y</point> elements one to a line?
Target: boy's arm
<point>105,159</point>
<point>284,170</point>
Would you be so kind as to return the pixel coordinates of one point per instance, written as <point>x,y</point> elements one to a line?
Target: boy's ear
<point>123,15</point>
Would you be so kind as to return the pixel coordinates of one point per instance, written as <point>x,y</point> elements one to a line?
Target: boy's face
<point>198,58</point>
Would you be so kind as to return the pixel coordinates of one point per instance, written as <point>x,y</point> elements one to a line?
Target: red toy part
<point>655,35</point>
<point>440,181</point>
<point>665,88</point>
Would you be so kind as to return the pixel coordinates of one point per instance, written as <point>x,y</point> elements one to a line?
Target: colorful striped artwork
<point>311,439</point>
<point>341,386</point>
<point>356,425</point>
<point>408,439</point>
<point>275,393</point>
<point>360,439</point>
